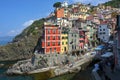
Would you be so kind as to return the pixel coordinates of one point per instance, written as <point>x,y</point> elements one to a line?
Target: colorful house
<point>81,39</point>
<point>61,15</point>
<point>73,40</point>
<point>64,43</point>
<point>51,40</point>
<point>104,32</point>
<point>59,12</point>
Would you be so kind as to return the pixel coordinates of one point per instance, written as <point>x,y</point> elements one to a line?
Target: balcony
<point>82,36</point>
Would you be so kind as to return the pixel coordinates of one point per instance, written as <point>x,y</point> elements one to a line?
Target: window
<point>103,32</point>
<point>66,37</point>
<point>62,37</point>
<point>62,43</point>
<point>59,37</point>
<point>53,37</point>
<point>53,31</point>
<point>75,35</point>
<point>81,36</point>
<point>72,35</point>
<point>48,31</point>
<point>66,42</point>
<point>100,29</point>
<point>54,49</point>
<point>59,31</point>
<point>50,49</point>
<point>53,43</point>
<point>58,43</point>
<point>48,37</point>
<point>91,37</point>
<point>72,47</point>
<point>48,43</point>
<point>103,37</point>
<point>103,29</point>
<point>81,41</point>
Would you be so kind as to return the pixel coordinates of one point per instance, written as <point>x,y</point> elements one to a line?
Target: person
<point>112,65</point>
<point>112,68</point>
<point>101,66</point>
<point>101,70</point>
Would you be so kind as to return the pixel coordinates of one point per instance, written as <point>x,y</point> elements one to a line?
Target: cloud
<point>13,32</point>
<point>28,23</point>
<point>94,2</point>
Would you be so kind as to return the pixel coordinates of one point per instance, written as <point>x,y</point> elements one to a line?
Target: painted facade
<point>61,16</point>
<point>59,13</point>
<point>73,39</point>
<point>81,39</point>
<point>104,32</point>
<point>51,41</point>
<point>64,43</point>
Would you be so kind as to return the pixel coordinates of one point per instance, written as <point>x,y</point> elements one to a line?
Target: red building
<point>51,41</point>
<point>83,39</point>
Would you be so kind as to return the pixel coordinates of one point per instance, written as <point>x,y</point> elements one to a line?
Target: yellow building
<point>64,43</point>
<point>83,16</point>
<point>84,8</point>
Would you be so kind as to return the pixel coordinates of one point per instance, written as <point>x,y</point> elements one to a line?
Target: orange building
<point>60,12</point>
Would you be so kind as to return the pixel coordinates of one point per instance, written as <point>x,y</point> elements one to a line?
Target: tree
<point>57,4</point>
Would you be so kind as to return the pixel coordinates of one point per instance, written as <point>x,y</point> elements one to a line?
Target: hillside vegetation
<point>113,3</point>
<point>23,44</point>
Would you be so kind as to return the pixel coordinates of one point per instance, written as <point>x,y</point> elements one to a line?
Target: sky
<point>16,15</point>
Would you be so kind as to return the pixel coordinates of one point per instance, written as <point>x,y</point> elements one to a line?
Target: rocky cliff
<point>24,44</point>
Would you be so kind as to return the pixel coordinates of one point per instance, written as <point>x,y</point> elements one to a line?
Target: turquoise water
<point>41,76</point>
<point>3,76</point>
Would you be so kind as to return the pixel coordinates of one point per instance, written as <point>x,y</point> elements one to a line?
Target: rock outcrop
<point>24,44</point>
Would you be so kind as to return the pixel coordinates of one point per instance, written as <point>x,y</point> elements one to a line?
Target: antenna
<point>66,1</point>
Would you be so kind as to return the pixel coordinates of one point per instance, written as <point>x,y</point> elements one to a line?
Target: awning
<point>97,49</point>
<point>110,42</point>
<point>100,47</point>
<point>107,54</point>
